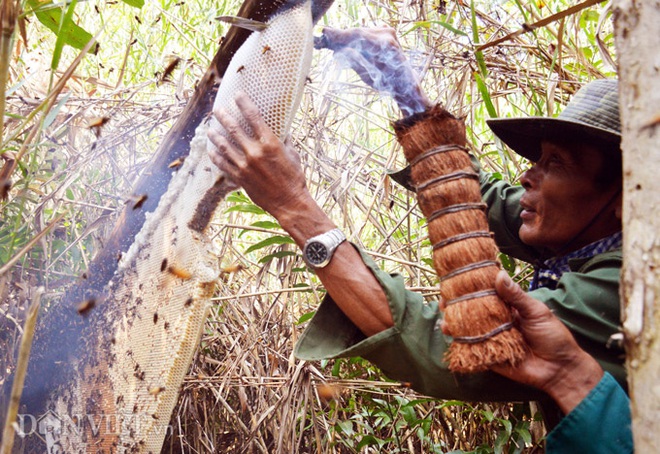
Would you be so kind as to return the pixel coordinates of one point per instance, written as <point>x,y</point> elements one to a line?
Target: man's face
<point>561,199</point>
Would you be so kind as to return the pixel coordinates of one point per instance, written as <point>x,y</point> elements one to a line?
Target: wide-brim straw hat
<point>592,115</point>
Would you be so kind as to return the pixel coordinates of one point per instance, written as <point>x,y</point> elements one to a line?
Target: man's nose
<point>529,178</point>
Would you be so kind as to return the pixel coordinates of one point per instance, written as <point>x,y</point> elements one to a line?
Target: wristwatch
<point>318,250</point>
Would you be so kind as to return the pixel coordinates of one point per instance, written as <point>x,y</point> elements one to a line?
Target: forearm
<point>574,382</point>
<point>346,278</point>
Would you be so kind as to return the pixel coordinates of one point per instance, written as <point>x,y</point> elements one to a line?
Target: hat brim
<point>524,135</point>
<point>402,177</point>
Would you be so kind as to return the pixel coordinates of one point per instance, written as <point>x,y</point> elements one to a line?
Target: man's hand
<point>270,173</point>
<point>555,362</point>
<point>268,170</point>
<point>376,56</point>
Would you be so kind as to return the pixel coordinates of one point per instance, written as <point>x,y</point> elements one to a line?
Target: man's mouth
<point>528,212</point>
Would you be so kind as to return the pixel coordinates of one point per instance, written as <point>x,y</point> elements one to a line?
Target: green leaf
<point>277,239</point>
<point>266,225</point>
<point>483,89</point>
<point>66,30</point>
<point>246,208</point>
<point>52,115</point>
<point>449,27</point>
<point>524,433</point>
<point>135,3</point>
<point>237,197</point>
<point>369,440</point>
<point>276,255</point>
<point>346,427</point>
<point>305,317</point>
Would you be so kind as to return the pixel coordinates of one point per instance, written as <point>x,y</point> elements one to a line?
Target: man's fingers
<point>226,155</point>
<point>232,127</point>
<point>251,113</point>
<point>511,292</point>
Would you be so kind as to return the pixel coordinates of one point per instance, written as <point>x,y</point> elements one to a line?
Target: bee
<point>84,275</point>
<point>188,302</point>
<point>138,20</point>
<point>240,68</point>
<point>166,325</point>
<point>138,200</point>
<point>176,163</point>
<point>328,392</point>
<point>96,123</point>
<point>178,272</point>
<point>96,8</point>
<point>5,186</point>
<point>155,317</point>
<point>266,49</point>
<point>156,390</point>
<point>163,265</point>
<point>232,268</point>
<point>86,306</point>
<point>171,66</point>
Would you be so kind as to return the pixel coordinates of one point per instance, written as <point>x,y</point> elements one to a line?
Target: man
<point>565,218</point>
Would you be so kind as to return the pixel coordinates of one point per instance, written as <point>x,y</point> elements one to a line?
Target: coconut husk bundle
<point>464,252</point>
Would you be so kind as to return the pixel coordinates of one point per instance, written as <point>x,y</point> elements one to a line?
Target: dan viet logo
<point>52,427</point>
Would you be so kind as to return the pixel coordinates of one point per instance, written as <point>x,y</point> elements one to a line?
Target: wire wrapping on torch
<point>433,151</point>
<point>455,209</point>
<point>470,267</point>
<point>471,296</point>
<point>446,178</point>
<point>463,236</point>
<point>483,337</point>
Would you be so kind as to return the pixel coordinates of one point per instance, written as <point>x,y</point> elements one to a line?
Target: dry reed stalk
<point>19,376</point>
<point>464,254</point>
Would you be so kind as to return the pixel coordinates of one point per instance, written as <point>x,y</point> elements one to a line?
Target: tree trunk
<point>638,41</point>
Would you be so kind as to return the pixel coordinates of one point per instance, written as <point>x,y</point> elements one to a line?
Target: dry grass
<point>245,391</point>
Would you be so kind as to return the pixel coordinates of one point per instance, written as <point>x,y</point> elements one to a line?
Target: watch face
<point>316,253</point>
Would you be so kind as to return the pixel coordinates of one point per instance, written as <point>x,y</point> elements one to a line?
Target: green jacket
<point>601,423</point>
<point>586,300</point>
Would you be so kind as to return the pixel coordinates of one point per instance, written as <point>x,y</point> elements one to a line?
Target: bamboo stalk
<point>8,15</point>
<point>19,377</point>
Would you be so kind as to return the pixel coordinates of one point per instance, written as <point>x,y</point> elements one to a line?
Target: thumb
<point>511,292</point>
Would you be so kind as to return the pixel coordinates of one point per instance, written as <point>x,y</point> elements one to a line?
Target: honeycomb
<point>155,306</point>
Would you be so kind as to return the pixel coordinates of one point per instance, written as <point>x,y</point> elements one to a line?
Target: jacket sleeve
<point>411,351</point>
<point>600,423</point>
